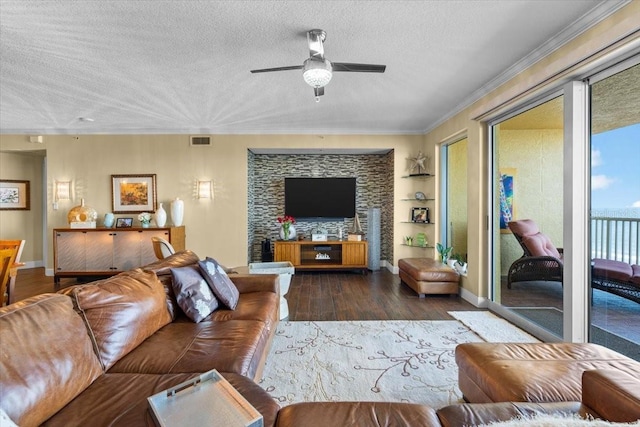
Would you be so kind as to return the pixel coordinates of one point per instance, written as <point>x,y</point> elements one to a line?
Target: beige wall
<point>217,227</point>
<point>606,38</point>
<point>24,225</point>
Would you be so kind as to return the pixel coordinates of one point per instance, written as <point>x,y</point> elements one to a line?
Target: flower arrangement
<point>286,222</point>
<point>144,218</point>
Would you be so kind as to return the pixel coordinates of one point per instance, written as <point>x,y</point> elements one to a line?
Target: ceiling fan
<point>317,70</point>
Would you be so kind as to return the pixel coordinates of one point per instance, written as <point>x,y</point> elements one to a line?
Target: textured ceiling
<point>183,66</point>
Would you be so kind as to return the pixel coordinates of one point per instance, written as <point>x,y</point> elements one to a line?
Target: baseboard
<point>49,272</point>
<point>32,264</point>
<point>473,299</point>
<point>390,267</point>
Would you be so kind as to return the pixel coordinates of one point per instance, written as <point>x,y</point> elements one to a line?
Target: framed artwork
<point>133,193</point>
<point>14,195</point>
<point>124,223</point>
<point>507,192</point>
<point>420,214</point>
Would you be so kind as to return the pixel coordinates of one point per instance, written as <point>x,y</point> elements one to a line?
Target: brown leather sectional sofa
<point>92,354</point>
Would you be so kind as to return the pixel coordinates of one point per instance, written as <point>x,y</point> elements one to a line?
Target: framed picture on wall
<point>14,195</point>
<point>420,214</point>
<point>133,193</point>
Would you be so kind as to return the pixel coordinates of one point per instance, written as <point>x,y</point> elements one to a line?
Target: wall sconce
<point>205,190</point>
<point>63,190</point>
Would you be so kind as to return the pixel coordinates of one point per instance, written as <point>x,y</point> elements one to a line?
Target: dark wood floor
<point>377,295</point>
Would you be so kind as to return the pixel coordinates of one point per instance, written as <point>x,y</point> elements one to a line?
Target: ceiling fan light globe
<point>317,73</point>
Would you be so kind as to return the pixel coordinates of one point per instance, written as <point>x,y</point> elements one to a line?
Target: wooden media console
<point>330,255</point>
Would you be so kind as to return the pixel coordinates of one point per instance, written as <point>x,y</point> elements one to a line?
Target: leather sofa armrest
<point>256,282</point>
<point>471,414</point>
<point>612,395</point>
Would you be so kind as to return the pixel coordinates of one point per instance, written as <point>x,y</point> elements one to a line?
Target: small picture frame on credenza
<point>124,223</point>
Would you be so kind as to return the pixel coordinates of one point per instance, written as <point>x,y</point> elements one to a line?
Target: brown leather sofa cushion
<point>370,414</point>
<point>532,372</point>
<point>474,414</point>
<point>121,400</point>
<point>183,347</point>
<point>612,395</point>
<point>122,312</point>
<point>163,267</point>
<point>46,358</point>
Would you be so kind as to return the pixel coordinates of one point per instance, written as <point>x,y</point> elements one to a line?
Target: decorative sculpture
<point>418,162</point>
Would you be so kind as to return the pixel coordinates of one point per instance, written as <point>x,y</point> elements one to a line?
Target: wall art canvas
<point>133,193</point>
<point>507,191</point>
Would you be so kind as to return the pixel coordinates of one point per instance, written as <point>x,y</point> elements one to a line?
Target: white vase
<point>161,216</point>
<point>292,233</point>
<point>177,212</point>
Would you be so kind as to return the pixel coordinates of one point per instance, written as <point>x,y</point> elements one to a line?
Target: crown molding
<point>582,24</point>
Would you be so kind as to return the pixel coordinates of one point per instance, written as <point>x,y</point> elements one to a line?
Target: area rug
<point>492,328</point>
<point>396,361</point>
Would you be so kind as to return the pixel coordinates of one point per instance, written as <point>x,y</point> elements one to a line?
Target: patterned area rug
<point>399,361</point>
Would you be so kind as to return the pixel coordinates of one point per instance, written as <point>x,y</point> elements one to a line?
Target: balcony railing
<point>616,238</point>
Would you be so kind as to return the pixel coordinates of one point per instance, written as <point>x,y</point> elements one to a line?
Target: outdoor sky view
<point>615,172</point>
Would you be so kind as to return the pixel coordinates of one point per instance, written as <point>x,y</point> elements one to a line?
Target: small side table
<point>284,269</point>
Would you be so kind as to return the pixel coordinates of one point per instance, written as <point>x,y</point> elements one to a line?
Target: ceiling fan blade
<point>268,70</point>
<point>315,39</point>
<point>358,68</point>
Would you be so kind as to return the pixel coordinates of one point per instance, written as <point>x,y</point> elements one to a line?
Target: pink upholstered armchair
<point>541,260</point>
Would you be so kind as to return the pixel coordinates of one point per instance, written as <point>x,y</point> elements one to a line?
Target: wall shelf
<point>419,176</point>
<point>418,247</point>
<point>417,223</point>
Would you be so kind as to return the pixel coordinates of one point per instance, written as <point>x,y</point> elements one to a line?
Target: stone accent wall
<point>374,188</point>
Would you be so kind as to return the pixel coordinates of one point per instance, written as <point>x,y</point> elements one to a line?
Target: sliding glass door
<point>615,209</point>
<point>527,236</point>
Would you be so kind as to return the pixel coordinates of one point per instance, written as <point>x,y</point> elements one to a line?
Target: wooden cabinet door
<point>287,252</point>
<point>69,251</point>
<point>126,250</point>
<point>354,253</point>
<point>99,250</point>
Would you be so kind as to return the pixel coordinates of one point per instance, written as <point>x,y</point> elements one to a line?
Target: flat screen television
<point>320,198</point>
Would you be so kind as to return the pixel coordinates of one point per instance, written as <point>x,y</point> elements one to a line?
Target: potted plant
<point>460,263</point>
<point>444,253</point>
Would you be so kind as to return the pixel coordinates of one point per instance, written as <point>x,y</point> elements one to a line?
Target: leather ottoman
<point>369,414</point>
<point>532,372</point>
<point>428,276</point>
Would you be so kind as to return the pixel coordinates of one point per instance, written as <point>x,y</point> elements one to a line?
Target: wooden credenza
<point>331,255</point>
<point>107,251</point>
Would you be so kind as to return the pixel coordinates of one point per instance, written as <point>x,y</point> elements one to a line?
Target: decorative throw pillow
<point>192,293</point>
<point>219,282</point>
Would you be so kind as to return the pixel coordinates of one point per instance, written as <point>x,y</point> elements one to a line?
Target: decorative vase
<point>108,220</point>
<point>82,213</point>
<point>177,212</point>
<point>288,234</point>
<point>161,216</point>
<point>145,225</point>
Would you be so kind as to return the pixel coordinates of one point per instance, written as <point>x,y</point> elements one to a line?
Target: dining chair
<point>7,257</point>
<point>18,245</point>
<point>162,248</point>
